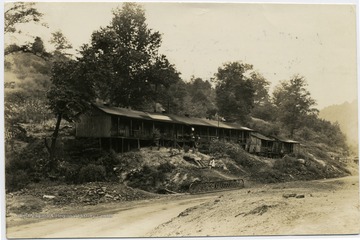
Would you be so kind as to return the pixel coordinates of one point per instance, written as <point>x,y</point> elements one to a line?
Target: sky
<point>279,40</point>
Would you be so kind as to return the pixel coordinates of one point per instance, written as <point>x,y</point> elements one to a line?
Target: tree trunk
<point>52,148</point>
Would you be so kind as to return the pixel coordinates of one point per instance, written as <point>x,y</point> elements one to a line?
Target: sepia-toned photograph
<point>170,119</point>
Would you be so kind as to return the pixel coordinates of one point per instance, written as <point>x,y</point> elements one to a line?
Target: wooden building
<point>123,129</point>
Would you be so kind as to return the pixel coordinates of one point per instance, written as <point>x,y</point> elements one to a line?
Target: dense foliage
<point>124,63</point>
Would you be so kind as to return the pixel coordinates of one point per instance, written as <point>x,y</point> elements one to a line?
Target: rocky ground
<point>297,208</point>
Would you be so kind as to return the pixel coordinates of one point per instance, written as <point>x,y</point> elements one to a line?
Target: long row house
<point>123,129</point>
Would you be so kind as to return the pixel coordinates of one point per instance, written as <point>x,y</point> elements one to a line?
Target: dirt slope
<point>322,207</point>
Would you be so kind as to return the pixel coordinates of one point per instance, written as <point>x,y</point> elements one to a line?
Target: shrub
<point>69,172</point>
<point>288,164</point>
<point>232,150</point>
<point>149,178</point>
<point>92,173</point>
<point>16,180</point>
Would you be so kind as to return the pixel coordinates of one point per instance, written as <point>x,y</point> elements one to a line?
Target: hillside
<point>346,115</point>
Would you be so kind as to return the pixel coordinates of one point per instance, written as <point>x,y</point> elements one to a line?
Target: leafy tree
<point>200,99</point>
<point>124,63</point>
<point>38,46</point>
<point>263,107</point>
<point>234,91</point>
<point>60,42</point>
<point>261,88</point>
<point>20,12</point>
<point>69,96</point>
<point>293,102</point>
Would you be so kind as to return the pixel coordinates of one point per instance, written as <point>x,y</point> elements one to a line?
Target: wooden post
<point>142,129</point>
<point>131,131</point>
<point>122,145</point>
<point>182,133</point>
<point>118,130</point>
<point>100,143</point>
<point>138,142</point>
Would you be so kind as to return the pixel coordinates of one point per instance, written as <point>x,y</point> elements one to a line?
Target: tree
<point>69,96</point>
<point>60,42</point>
<point>38,46</point>
<point>234,91</point>
<point>263,107</point>
<point>200,99</point>
<point>261,88</point>
<point>293,102</point>
<point>124,63</point>
<point>20,12</point>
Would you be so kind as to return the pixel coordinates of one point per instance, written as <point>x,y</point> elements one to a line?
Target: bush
<point>288,164</point>
<point>69,172</point>
<point>150,178</point>
<point>16,180</point>
<point>92,173</point>
<point>232,150</point>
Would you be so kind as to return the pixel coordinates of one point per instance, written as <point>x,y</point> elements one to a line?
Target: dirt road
<point>322,207</point>
<point>134,220</point>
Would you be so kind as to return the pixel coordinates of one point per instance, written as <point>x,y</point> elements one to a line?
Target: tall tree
<point>234,91</point>
<point>69,96</point>
<point>293,102</point>
<point>124,62</point>
<point>263,107</point>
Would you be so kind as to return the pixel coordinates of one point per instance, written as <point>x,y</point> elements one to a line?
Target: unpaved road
<point>328,207</point>
<point>135,220</point>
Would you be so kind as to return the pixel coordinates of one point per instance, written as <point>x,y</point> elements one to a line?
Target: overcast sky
<point>316,41</point>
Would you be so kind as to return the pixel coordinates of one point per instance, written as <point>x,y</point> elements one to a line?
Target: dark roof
<point>285,140</point>
<point>262,137</point>
<point>238,126</point>
<point>168,118</point>
<point>188,120</point>
<point>123,112</point>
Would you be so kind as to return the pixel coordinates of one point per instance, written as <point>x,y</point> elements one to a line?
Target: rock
<point>49,196</point>
<point>289,195</point>
<point>300,196</point>
<point>108,196</point>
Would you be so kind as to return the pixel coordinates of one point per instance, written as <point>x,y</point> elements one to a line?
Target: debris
<point>108,196</point>
<point>259,210</point>
<point>49,196</point>
<point>300,196</point>
<point>289,195</point>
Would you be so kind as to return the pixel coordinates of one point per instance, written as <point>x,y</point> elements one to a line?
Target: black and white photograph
<point>180,119</point>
